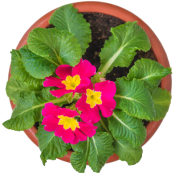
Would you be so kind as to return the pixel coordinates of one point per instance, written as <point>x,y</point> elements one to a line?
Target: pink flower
<point>61,121</point>
<point>71,79</point>
<point>101,97</point>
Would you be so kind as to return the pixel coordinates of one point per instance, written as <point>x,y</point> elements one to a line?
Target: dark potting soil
<point>100,25</point>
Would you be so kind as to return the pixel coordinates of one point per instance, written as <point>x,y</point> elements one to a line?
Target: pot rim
<point>125,15</point>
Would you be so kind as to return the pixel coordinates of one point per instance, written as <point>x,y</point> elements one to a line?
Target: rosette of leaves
<point>138,95</point>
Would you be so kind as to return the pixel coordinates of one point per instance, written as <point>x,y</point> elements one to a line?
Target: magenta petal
<point>52,81</point>
<point>51,128</point>
<point>107,88</point>
<point>69,112</point>
<point>88,114</point>
<point>63,71</point>
<point>83,86</point>
<point>79,136</point>
<point>82,105</point>
<point>105,110</point>
<point>60,92</point>
<point>110,103</point>
<point>51,123</point>
<point>92,116</point>
<point>75,141</point>
<point>50,109</point>
<point>66,135</point>
<point>84,69</point>
<point>59,131</point>
<point>50,120</point>
<point>88,128</point>
<point>85,117</point>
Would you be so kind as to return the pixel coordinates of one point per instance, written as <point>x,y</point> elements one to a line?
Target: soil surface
<point>100,26</point>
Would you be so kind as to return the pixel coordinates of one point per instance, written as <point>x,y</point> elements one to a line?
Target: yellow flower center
<point>93,98</point>
<point>68,122</point>
<point>71,82</point>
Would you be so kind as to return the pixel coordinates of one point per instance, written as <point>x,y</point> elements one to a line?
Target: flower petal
<point>83,85</point>
<point>51,123</point>
<point>107,88</point>
<point>81,136</point>
<point>105,110</point>
<point>52,81</point>
<point>82,105</point>
<point>50,120</point>
<point>92,116</point>
<point>63,71</point>
<point>88,114</point>
<point>75,141</point>
<point>50,109</point>
<point>66,135</point>
<point>60,92</point>
<point>110,103</point>
<point>88,128</point>
<point>84,68</point>
<point>69,112</point>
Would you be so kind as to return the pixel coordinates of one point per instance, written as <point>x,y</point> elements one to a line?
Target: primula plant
<point>76,107</point>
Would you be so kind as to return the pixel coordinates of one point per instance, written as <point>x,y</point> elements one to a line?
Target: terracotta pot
<point>125,16</point>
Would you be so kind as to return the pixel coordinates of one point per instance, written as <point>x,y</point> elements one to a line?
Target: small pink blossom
<point>71,79</point>
<point>102,79</point>
<point>98,98</point>
<point>61,121</point>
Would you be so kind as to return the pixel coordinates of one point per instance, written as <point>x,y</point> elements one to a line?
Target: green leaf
<point>121,47</point>
<point>96,150</point>
<point>67,18</point>
<point>126,152</point>
<point>134,98</point>
<point>51,146</point>
<point>15,87</point>
<point>123,126</point>
<point>28,109</point>
<point>56,45</point>
<point>162,100</point>
<point>80,156</point>
<point>101,149</point>
<point>18,70</point>
<point>148,71</point>
<point>37,66</point>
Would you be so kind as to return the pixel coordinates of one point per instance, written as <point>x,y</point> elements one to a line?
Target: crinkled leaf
<point>96,150</point>
<point>148,71</point>
<point>15,87</point>
<point>51,146</point>
<point>134,98</point>
<point>67,18</point>
<point>28,109</point>
<point>162,100</point>
<point>57,45</point>
<point>123,126</point>
<point>18,70</point>
<point>101,149</point>
<point>126,152</point>
<point>80,156</point>
<point>121,47</point>
<point>37,66</point>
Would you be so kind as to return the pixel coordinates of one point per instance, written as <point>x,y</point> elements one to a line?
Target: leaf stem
<point>59,59</point>
<point>104,126</point>
<point>111,61</point>
<point>58,100</point>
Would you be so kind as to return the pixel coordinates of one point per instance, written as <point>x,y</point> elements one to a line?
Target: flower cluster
<point>94,97</point>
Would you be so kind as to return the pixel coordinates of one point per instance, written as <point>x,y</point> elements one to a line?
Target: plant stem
<point>104,126</point>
